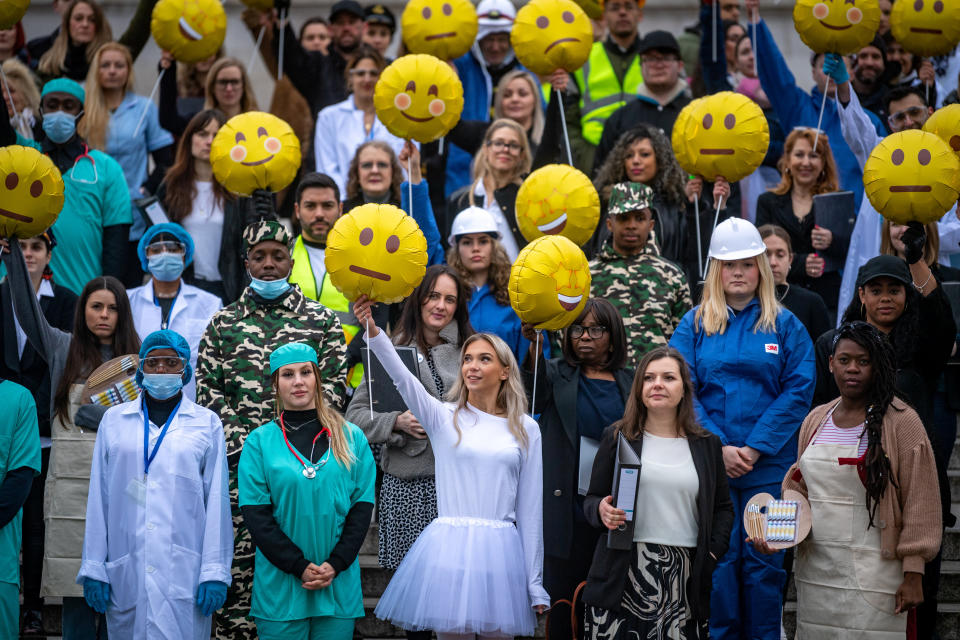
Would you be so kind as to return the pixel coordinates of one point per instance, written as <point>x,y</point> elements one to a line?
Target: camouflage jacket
<point>233,363</point>
<point>650,292</point>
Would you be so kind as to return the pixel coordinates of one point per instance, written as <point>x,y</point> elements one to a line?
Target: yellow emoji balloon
<point>442,28</point>
<point>377,250</point>
<point>419,97</point>
<point>549,283</point>
<point>558,200</point>
<point>926,27</point>
<point>255,150</point>
<point>945,122</point>
<point>11,11</point>
<point>724,134</point>
<point>192,30</point>
<point>551,34</point>
<point>912,176</point>
<point>31,192</point>
<point>836,26</point>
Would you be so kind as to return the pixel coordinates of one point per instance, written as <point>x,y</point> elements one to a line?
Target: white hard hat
<point>472,220</point>
<point>735,239</point>
<point>494,16</point>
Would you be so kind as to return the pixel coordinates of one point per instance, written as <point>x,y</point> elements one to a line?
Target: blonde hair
<point>51,63</point>
<point>712,313</point>
<point>481,168</point>
<point>536,128</point>
<point>328,417</point>
<point>248,102</point>
<point>511,399</point>
<point>20,77</point>
<point>931,250</point>
<point>96,116</point>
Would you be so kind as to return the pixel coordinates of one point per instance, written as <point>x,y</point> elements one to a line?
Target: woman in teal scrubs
<point>306,493</point>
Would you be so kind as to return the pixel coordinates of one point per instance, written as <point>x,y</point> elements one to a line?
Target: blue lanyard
<point>146,435</point>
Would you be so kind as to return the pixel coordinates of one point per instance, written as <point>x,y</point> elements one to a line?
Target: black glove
<point>88,416</point>
<point>913,239</point>
<point>263,205</point>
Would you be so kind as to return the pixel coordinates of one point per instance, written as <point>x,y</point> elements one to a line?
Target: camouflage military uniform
<point>233,381</point>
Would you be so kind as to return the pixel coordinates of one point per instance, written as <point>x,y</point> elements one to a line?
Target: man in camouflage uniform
<point>233,379</point>
<point>650,292</point>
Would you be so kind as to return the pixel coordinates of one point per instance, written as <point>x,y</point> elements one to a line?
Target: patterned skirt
<point>654,604</point>
<point>406,508</point>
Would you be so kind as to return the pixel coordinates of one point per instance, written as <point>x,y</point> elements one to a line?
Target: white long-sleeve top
<point>486,474</point>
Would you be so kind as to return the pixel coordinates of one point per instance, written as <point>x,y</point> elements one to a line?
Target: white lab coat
<point>154,555</point>
<point>189,317</point>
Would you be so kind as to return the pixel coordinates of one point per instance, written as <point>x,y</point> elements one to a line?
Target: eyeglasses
<point>165,246</point>
<point>366,166</point>
<point>359,73</point>
<point>229,82</point>
<point>167,364</point>
<point>915,113</point>
<point>595,331</point>
<point>499,145</point>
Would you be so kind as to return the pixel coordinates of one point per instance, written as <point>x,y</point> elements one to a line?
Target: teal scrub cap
<point>292,353</point>
<point>66,85</point>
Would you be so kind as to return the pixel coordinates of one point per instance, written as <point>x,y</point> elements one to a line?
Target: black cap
<point>379,14</point>
<point>659,41</point>
<point>346,6</point>
<point>884,267</point>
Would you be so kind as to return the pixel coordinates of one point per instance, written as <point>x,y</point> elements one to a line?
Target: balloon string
<point>13,107</point>
<point>823,105</point>
<point>146,106</point>
<point>696,210</point>
<point>409,189</point>
<point>283,32</point>
<point>563,125</point>
<point>369,371</point>
<point>536,361</point>
<point>440,150</point>
<point>256,48</point>
<point>713,34</point>
<point>753,45</point>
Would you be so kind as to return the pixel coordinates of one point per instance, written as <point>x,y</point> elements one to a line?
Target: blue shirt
<point>599,404</point>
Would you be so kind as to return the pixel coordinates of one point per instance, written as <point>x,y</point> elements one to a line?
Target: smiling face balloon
<point>442,28</point>
<point>549,283</point>
<point>558,200</point>
<point>945,122</point>
<point>724,134</point>
<point>836,26</point>
<point>418,97</point>
<point>11,11</point>
<point>192,30</point>
<point>31,192</point>
<point>926,27</point>
<point>551,34</point>
<point>255,150</point>
<point>912,176</point>
<point>377,250</point>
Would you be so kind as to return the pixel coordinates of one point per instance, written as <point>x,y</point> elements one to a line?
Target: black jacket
<point>320,78</point>
<point>506,197</point>
<point>607,578</point>
<point>556,399</point>
<point>809,308</point>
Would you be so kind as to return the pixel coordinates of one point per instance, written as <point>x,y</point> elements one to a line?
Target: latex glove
<point>263,205</point>
<point>97,594</point>
<point>211,596</point>
<point>835,68</point>
<point>88,416</point>
<point>913,239</point>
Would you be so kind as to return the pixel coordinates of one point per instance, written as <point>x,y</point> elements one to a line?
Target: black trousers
<point>32,529</point>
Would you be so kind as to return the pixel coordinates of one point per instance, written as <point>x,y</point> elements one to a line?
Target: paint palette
<point>113,382</point>
<point>781,523</point>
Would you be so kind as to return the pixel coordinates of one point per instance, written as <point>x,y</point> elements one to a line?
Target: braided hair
<point>882,389</point>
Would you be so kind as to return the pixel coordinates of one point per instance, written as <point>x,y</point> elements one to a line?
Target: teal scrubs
<point>19,447</point>
<point>311,512</point>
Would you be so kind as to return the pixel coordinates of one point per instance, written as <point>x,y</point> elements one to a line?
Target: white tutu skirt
<point>462,575</point>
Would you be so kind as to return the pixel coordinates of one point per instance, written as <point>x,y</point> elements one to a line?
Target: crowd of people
<point>731,344</point>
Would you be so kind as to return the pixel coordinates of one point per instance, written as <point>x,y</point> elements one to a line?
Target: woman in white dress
<point>475,571</point>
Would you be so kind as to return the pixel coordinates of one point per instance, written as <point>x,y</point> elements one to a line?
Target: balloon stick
<point>409,186</point>
<point>369,371</point>
<point>826,90</point>
<point>146,106</point>
<point>283,31</point>
<point>536,361</point>
<point>13,107</point>
<point>256,48</point>
<point>713,33</point>
<point>563,125</point>
<point>696,211</point>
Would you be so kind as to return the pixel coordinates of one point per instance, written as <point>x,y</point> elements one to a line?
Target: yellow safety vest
<point>600,92</point>
<point>302,276</point>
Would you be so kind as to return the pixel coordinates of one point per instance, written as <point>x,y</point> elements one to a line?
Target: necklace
<point>309,471</point>
<point>302,424</point>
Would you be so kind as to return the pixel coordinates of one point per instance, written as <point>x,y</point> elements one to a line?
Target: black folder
<point>835,211</point>
<point>626,485</point>
<point>385,395</point>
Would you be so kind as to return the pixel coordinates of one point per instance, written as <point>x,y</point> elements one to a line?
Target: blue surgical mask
<point>161,386</point>
<point>269,289</point>
<point>59,126</point>
<point>165,267</point>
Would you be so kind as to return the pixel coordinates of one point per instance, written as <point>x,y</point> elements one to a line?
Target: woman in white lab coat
<point>159,539</point>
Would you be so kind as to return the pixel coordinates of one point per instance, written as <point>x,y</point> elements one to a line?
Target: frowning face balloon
<point>945,122</point>
<point>926,27</point>
<point>11,11</point>
<point>419,97</point>
<point>192,30</point>
<point>836,26</point>
<point>549,283</point>
<point>912,176</point>
<point>442,28</point>
<point>724,134</point>
<point>255,150</point>
<point>377,250</point>
<point>31,192</point>
<point>558,200</point>
<point>551,34</point>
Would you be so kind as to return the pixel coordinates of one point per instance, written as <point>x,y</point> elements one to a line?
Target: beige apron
<point>845,588</point>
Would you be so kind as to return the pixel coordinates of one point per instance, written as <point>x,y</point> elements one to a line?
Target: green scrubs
<point>311,512</point>
<point>19,447</point>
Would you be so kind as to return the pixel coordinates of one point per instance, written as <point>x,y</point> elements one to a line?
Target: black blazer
<point>607,578</point>
<point>556,399</point>
<point>505,196</point>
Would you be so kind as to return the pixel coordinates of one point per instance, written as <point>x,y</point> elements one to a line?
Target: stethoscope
<point>309,471</point>
<point>93,163</point>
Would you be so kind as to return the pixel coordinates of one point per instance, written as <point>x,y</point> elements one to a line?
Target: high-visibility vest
<point>600,92</point>
<point>330,297</point>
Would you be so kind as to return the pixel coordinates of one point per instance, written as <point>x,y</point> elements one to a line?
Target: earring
<point>863,311</point>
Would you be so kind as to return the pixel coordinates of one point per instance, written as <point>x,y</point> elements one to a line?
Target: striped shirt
<point>830,433</point>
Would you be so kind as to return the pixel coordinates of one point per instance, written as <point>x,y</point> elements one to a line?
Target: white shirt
<point>204,223</point>
<point>46,289</point>
<point>507,240</point>
<point>667,495</point>
<point>317,264</point>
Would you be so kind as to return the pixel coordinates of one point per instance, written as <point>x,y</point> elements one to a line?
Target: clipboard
<point>385,396</point>
<point>626,486</point>
<point>835,211</point>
